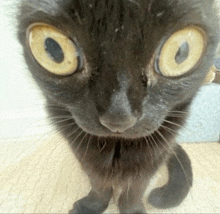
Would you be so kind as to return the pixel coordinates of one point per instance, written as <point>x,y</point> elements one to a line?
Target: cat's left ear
<point>213,75</point>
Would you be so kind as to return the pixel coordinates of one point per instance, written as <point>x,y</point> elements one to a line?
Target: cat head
<point>121,68</point>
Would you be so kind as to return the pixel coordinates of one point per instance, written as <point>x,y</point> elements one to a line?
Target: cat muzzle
<point>116,126</point>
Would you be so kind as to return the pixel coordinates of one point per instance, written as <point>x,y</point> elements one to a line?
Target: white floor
<point>41,175</point>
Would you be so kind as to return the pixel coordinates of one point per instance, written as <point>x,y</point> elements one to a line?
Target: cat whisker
<point>175,124</point>
<point>59,117</point>
<point>53,104</point>
<point>150,6</point>
<point>177,115</point>
<point>57,108</point>
<point>72,125</point>
<point>73,132</point>
<point>100,150</point>
<point>155,143</point>
<point>106,177</point>
<point>61,128</point>
<point>179,126</point>
<point>152,158</point>
<point>88,143</point>
<point>185,113</point>
<point>54,123</point>
<point>37,123</point>
<point>46,123</point>
<point>80,134</point>
<point>64,120</point>
<point>181,112</point>
<point>171,131</point>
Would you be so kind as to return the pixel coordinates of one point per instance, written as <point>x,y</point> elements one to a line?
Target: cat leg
<point>180,181</point>
<point>95,202</point>
<point>130,201</point>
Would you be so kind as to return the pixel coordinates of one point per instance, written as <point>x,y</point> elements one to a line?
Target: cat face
<point>120,68</point>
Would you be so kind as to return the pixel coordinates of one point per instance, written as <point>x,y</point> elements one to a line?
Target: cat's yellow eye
<point>53,50</point>
<point>182,51</point>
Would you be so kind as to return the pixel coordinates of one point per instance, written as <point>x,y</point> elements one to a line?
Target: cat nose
<point>117,124</point>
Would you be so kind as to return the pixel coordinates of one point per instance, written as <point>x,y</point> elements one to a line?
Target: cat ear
<point>213,75</point>
<point>214,72</point>
<point>217,71</point>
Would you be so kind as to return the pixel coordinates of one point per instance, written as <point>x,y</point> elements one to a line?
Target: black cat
<point>119,76</point>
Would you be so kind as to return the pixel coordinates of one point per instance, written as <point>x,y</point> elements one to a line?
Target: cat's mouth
<point>118,127</point>
<point>126,130</point>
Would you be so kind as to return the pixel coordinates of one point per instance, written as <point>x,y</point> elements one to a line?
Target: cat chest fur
<point>116,162</point>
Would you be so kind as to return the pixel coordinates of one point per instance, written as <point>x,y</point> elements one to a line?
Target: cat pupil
<point>182,53</point>
<point>54,50</point>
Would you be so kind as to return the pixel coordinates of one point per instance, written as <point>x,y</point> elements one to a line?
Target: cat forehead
<point>147,6</point>
<point>129,17</point>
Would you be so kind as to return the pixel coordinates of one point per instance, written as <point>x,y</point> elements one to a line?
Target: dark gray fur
<point>113,90</point>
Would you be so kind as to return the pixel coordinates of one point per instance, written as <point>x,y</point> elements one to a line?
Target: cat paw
<point>77,209</point>
<point>133,210</point>
<point>84,206</point>
<point>139,212</point>
<point>80,209</point>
